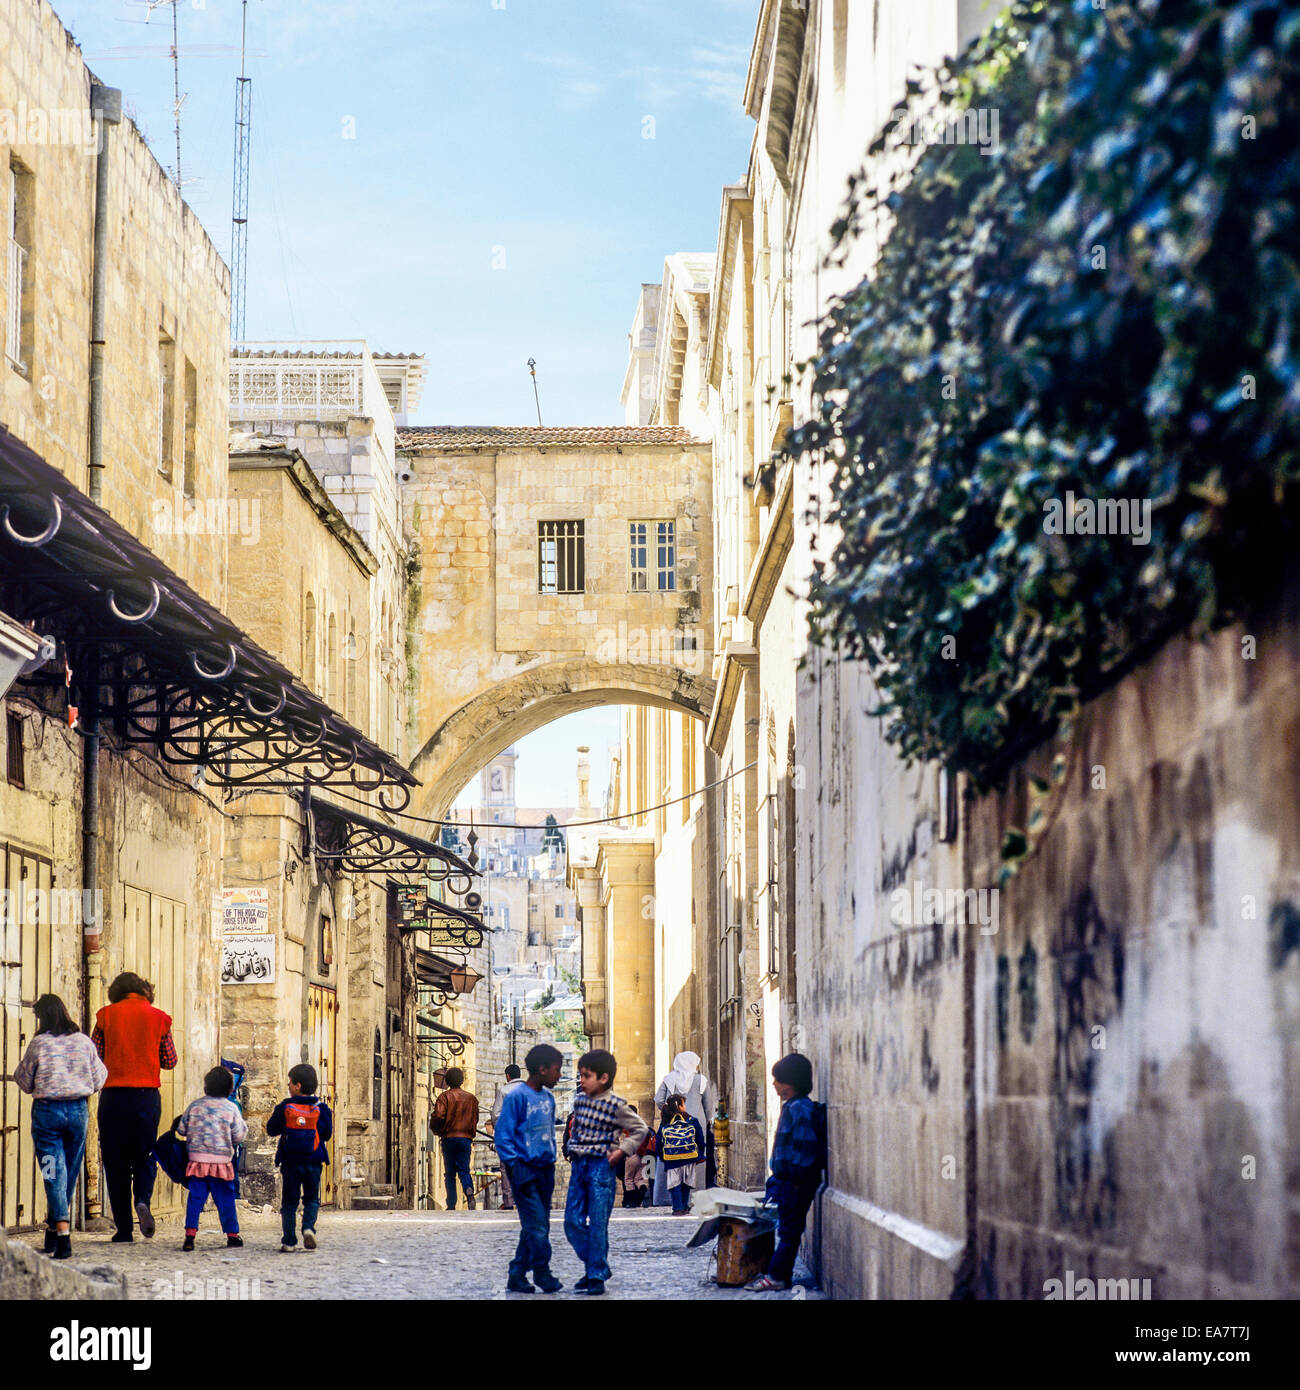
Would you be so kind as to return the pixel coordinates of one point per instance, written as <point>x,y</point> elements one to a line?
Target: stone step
<point>382,1189</point>
<point>373,1203</point>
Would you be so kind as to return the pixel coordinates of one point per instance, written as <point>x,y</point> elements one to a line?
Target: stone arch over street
<point>506,712</point>
<point>551,570</point>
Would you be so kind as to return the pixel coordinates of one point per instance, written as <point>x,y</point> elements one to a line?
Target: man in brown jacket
<point>454,1121</point>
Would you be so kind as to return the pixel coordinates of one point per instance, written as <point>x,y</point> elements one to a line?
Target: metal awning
<point>146,652</point>
<point>358,844</point>
<point>445,1039</point>
<point>434,1026</point>
<point>433,970</point>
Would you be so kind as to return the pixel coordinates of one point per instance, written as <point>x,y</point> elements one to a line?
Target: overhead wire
<point>569,825</point>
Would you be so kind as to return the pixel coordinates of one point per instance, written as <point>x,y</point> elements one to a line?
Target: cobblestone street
<point>403,1255</point>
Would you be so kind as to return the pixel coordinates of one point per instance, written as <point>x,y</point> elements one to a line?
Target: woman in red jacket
<point>135,1041</point>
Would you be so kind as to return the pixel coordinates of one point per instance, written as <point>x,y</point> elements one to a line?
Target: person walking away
<point>685,1079</point>
<point>603,1127</point>
<point>454,1121</point>
<point>680,1147</point>
<point>134,1040</point>
<point>635,1183</point>
<point>513,1077</point>
<point>798,1161</point>
<point>212,1127</point>
<point>305,1125</point>
<point>60,1071</point>
<point>525,1140</point>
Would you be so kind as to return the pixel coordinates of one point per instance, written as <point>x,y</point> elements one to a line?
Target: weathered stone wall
<point>1138,1014</point>
<point>303,589</point>
<point>165,277</point>
<point>349,460</point>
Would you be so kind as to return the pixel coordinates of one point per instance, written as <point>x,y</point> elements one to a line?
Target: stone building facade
<point>997,1088</point>
<point>533,595</point>
<point>159,434</point>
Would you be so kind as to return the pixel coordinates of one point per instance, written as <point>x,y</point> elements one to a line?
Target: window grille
<point>14,749</point>
<point>561,557</point>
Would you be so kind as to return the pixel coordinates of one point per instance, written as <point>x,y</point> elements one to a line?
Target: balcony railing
<point>16,268</point>
<point>313,380</point>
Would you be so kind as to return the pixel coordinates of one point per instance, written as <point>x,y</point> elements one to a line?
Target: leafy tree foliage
<point>1104,305</point>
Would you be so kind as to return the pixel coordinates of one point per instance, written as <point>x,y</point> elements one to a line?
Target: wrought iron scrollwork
<point>199,670</point>
<point>42,537</point>
<point>143,616</point>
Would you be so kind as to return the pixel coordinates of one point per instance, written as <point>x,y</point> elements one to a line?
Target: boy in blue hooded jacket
<point>305,1125</point>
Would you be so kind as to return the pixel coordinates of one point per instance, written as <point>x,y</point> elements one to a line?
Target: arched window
<point>332,662</point>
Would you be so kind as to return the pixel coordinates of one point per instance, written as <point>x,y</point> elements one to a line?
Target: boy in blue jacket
<point>305,1125</point>
<point>798,1161</point>
<point>525,1144</point>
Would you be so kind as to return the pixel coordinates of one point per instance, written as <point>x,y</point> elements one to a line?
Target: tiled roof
<point>538,436</point>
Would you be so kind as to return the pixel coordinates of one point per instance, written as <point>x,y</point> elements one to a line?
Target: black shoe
<point>582,1285</point>
<point>51,1240</point>
<point>595,1286</point>
<point>519,1286</point>
<point>234,1242</point>
<point>189,1243</point>
<point>145,1217</point>
<point>122,1238</point>
<point>63,1247</point>
<point>548,1283</point>
<point>469,1200</point>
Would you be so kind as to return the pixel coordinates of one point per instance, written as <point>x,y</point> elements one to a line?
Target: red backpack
<point>300,1118</point>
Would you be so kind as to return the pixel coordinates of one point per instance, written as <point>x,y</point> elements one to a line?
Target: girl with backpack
<point>212,1127</point>
<point>686,1079</point>
<point>679,1149</point>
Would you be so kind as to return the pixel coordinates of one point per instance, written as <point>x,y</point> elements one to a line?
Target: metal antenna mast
<point>177,99</point>
<point>176,89</point>
<point>239,210</point>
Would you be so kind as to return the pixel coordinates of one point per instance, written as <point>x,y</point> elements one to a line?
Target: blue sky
<point>402,148</point>
<point>469,179</point>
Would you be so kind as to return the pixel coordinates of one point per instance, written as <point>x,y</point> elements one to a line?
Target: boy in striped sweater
<point>603,1127</point>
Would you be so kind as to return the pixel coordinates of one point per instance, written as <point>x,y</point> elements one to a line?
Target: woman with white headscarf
<point>686,1080</point>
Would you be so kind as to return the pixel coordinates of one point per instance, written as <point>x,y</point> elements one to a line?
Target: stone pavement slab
<point>404,1255</point>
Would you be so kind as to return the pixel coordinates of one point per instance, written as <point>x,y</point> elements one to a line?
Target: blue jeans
<point>222,1192</point>
<point>592,1184</point>
<point>533,1188</point>
<point>59,1134</point>
<point>300,1180</point>
<point>681,1197</point>
<point>455,1158</point>
<point>792,1200</point>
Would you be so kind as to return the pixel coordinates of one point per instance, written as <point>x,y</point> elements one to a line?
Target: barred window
<point>661,537</point>
<point>14,749</point>
<point>561,557</point>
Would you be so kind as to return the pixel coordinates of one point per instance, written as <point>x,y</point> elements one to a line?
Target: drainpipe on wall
<point>106,105</point>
